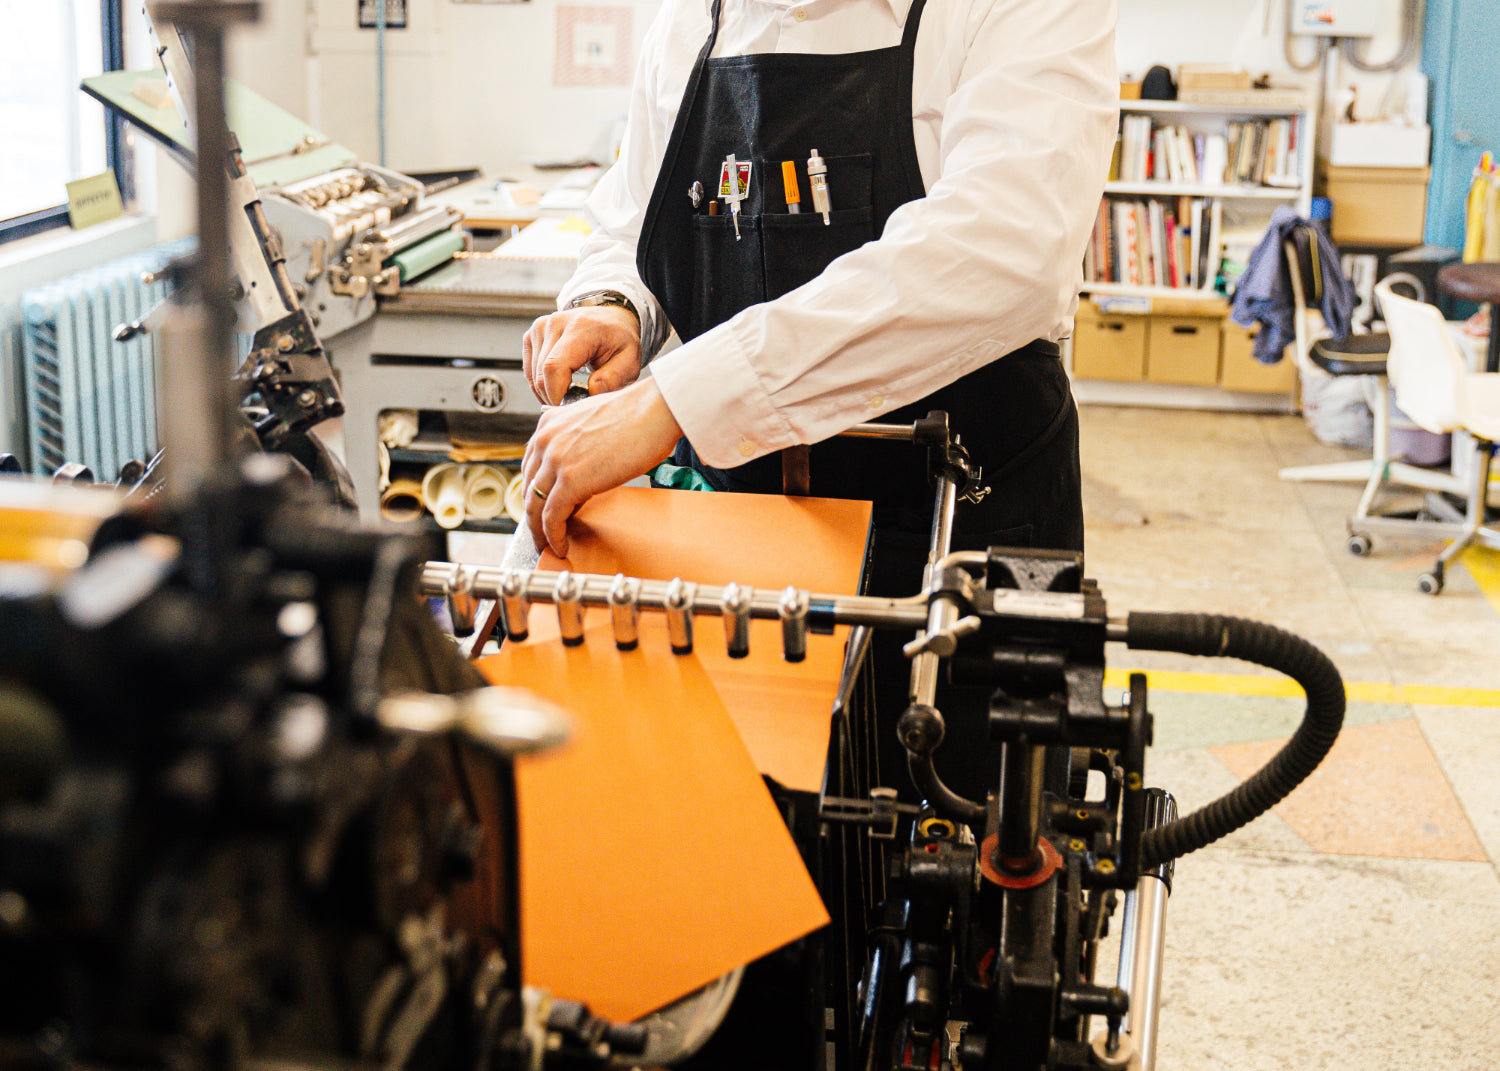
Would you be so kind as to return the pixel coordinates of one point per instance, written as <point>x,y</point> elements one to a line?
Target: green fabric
<point>679,476</point>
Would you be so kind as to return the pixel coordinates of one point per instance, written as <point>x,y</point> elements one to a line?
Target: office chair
<point>1435,388</point>
<point>1357,355</point>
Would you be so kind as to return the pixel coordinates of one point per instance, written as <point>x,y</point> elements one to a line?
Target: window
<point>50,132</point>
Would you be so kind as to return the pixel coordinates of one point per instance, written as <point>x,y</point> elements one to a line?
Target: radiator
<point>88,398</point>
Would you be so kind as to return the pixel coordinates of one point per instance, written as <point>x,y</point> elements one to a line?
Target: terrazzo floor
<point>1358,925</point>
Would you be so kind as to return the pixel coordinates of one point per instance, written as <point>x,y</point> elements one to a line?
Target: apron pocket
<point>799,246</point>
<point>729,274</point>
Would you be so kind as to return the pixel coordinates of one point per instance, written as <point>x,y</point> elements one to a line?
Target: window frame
<point>117,153</point>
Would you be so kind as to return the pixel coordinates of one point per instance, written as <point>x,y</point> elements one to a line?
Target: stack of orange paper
<point>652,858</point>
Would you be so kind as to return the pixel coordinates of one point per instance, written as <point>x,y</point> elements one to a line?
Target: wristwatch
<point>607,297</point>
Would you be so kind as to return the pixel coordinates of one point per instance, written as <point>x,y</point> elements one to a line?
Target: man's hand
<point>558,345</point>
<point>591,446</point>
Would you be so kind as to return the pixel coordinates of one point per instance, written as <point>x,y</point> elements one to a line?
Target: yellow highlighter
<point>789,180</point>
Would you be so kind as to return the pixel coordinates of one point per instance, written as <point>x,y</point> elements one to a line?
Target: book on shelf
<point>1250,152</point>
<point>1167,243</point>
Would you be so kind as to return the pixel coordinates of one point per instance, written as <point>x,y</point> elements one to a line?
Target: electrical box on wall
<point>1339,18</point>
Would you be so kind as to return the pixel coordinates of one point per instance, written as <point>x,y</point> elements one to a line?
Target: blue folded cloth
<point>1264,294</point>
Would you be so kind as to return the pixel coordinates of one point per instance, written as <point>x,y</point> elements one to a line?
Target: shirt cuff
<point>720,403</point>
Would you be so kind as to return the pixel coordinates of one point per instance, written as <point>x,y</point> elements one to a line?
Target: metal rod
<point>212,269</point>
<point>1020,794</point>
<point>1143,939</point>
<point>899,432</point>
<point>943,612</point>
<point>413,229</point>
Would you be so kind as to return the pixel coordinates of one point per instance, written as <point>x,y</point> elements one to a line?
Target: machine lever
<point>944,641</point>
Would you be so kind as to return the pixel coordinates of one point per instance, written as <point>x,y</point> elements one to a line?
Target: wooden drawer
<point>1183,350</point>
<point>1110,346</point>
<point>1239,370</point>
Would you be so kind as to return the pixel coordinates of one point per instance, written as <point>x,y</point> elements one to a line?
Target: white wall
<point>1171,32</point>
<point>467,84</point>
<point>471,84</point>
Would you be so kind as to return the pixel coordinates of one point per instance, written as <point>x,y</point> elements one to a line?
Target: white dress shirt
<point>1014,109</point>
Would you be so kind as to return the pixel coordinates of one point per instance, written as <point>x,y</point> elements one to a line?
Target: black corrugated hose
<point>1250,641</point>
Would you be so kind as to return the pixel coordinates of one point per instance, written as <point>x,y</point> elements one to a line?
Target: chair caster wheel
<point>1430,583</point>
<point>1359,545</point>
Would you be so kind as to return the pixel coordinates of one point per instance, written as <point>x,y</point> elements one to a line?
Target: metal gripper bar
<point>683,602</point>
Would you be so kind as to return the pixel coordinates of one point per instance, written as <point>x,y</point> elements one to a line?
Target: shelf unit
<point>1239,212</point>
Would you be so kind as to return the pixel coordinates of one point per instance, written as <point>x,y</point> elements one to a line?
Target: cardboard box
<point>1110,346</point>
<point>1377,205</point>
<point>1380,145</point>
<point>1191,76</point>
<point>1239,370</point>
<point>1183,350</point>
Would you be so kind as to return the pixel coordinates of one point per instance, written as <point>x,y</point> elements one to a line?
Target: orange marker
<point>789,180</point>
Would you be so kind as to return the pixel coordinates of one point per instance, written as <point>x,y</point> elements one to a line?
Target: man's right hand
<point>559,344</point>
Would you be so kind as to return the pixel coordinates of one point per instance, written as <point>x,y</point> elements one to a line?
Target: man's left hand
<point>590,446</point>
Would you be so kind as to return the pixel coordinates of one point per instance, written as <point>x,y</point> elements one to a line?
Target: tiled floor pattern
<point>1358,925</point>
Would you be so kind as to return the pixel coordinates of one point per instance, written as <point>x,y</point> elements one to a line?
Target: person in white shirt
<point>966,144</point>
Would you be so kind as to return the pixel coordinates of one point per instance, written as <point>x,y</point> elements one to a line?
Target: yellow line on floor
<point>1427,695</point>
<point>1483,565</point>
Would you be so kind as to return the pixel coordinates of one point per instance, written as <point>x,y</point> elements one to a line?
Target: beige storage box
<point>1239,370</point>
<point>1110,346</point>
<point>1377,205</point>
<point>1183,350</point>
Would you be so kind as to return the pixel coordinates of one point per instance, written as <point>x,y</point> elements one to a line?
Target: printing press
<point>410,316</point>
<point>257,811</point>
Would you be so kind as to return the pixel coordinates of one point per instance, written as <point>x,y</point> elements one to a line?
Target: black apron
<point>1015,415</point>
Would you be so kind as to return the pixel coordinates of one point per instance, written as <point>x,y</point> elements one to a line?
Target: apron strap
<point>796,471</point>
<point>906,78</point>
<point>659,195</point>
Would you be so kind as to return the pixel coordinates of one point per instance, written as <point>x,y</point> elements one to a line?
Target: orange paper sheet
<point>767,541</point>
<point>653,859</point>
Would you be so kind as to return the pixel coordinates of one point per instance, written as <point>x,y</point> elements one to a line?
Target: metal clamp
<point>736,611</point>
<point>624,611</point>
<point>679,606</point>
<point>793,613</point>
<point>568,594</point>
<point>514,609</point>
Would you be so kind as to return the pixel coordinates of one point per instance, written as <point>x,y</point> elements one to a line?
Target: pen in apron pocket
<point>789,180</point>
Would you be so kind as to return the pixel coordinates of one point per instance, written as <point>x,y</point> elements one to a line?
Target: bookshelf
<point>1191,190</point>
<point>1190,183</point>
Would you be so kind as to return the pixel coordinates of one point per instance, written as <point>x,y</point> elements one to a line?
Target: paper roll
<point>443,494</point>
<point>385,465</point>
<point>401,501</point>
<point>515,500</point>
<point>484,491</point>
<point>397,427</point>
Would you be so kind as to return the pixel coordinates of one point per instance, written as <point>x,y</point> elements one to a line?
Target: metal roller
<point>412,229</point>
